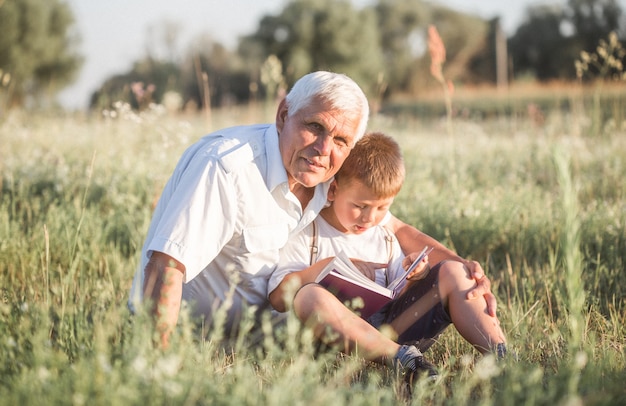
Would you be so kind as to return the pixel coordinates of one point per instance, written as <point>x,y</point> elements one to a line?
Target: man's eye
<point>341,141</point>
<point>316,128</point>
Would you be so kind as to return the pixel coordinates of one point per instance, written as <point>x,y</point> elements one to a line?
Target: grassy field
<point>541,203</point>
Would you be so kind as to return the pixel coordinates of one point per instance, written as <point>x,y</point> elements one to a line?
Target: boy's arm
<point>411,240</point>
<point>294,281</point>
<point>163,286</point>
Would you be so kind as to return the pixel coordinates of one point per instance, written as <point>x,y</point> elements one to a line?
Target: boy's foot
<point>412,364</point>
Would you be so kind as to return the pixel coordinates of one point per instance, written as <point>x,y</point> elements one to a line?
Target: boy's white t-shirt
<point>371,246</point>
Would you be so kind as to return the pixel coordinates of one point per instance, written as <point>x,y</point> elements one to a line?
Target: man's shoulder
<point>235,147</point>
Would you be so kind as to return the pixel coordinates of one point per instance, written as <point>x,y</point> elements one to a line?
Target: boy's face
<point>354,207</point>
<point>314,142</point>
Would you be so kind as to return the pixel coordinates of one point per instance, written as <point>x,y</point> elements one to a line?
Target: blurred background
<point>191,55</point>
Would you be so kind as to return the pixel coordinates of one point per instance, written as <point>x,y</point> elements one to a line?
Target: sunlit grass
<point>543,209</point>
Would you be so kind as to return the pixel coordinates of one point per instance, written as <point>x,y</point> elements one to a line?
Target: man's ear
<point>281,115</point>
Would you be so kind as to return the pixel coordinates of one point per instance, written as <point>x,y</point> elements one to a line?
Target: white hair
<point>338,89</point>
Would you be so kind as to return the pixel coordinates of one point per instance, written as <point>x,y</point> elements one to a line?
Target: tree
<point>223,71</point>
<point>593,20</point>
<point>550,39</point>
<point>402,24</point>
<point>37,48</point>
<point>206,65</point>
<point>146,82</point>
<point>538,44</point>
<point>313,35</point>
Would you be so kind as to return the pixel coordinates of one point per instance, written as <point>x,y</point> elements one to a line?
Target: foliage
<point>321,35</point>
<point>606,63</point>
<point>159,76</point>
<point>381,44</point>
<point>37,49</point>
<point>550,39</point>
<point>604,66</point>
<point>225,79</point>
<point>401,26</point>
<point>540,207</point>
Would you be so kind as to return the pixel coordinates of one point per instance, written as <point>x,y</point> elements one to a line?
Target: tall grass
<point>543,210</point>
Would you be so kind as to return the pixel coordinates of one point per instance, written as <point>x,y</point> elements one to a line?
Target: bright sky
<point>115,33</point>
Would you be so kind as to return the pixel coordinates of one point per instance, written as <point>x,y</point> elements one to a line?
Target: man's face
<point>314,142</point>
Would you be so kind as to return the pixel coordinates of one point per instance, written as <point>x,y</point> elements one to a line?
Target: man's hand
<point>411,239</point>
<point>483,287</point>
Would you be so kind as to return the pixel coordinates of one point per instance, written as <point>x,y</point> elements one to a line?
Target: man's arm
<point>411,240</point>
<point>163,286</point>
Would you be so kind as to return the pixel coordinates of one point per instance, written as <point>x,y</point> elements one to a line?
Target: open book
<point>347,283</point>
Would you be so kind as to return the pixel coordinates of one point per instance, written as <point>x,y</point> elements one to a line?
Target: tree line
<point>383,46</point>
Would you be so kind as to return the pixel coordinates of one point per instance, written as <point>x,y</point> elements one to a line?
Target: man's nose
<point>324,144</point>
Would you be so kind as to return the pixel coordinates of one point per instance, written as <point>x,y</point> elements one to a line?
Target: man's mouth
<point>314,164</point>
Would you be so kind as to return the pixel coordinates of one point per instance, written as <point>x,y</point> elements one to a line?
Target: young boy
<point>359,199</point>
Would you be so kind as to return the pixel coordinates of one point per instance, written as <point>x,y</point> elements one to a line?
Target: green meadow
<point>539,200</point>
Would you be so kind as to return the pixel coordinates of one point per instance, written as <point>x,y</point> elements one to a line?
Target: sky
<point>115,33</point>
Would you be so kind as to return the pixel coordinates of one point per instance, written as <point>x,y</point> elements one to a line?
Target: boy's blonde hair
<point>375,161</point>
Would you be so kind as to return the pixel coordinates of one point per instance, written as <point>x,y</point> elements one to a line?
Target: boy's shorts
<point>419,313</point>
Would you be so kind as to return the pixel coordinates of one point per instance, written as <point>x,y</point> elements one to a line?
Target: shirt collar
<point>277,176</point>
<point>314,207</point>
<point>276,172</point>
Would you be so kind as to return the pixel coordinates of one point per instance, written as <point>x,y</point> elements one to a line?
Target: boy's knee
<point>309,299</point>
<point>454,270</point>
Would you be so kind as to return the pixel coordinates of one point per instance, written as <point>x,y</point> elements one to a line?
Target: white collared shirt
<point>225,213</point>
<point>371,246</point>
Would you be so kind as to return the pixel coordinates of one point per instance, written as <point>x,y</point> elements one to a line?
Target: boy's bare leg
<point>333,322</point>
<point>470,317</point>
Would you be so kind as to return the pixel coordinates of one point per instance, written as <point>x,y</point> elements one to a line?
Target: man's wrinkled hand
<point>482,288</point>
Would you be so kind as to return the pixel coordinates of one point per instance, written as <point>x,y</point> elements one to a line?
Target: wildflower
<point>580,360</point>
<point>487,368</point>
<point>168,366</point>
<point>437,53</point>
<point>139,364</point>
<point>43,373</point>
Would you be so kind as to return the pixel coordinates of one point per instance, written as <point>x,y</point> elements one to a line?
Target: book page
<point>342,265</point>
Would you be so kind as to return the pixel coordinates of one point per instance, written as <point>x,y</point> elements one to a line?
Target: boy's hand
<point>421,270</point>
